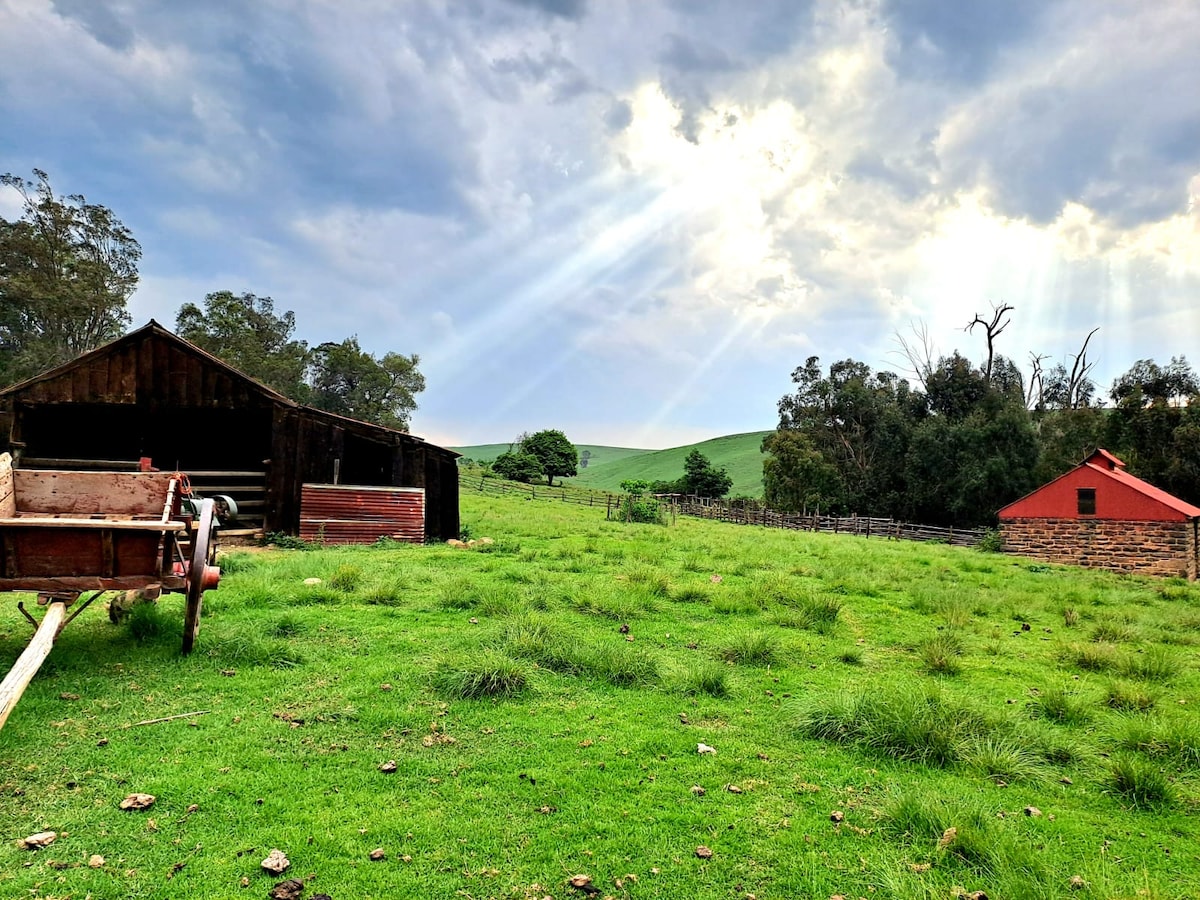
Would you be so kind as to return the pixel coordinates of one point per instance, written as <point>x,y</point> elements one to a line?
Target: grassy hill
<point>738,453</point>
<point>608,466</point>
<point>785,715</point>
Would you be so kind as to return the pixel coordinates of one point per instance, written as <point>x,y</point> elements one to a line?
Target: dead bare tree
<point>993,330</point>
<point>1037,381</point>
<point>1080,368</point>
<point>918,352</point>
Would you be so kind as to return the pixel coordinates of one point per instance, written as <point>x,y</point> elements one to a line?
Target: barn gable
<point>1097,514</point>
<point>153,394</point>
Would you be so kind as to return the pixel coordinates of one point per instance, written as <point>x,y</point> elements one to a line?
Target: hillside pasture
<point>885,720</point>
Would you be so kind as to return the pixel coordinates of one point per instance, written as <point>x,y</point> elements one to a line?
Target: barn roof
<point>150,329</point>
<point>154,331</point>
<point>1106,464</point>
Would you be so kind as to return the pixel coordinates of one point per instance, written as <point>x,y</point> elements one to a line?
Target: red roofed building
<point>1099,515</point>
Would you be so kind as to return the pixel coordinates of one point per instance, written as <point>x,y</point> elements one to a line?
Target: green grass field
<point>889,720</point>
<point>739,454</point>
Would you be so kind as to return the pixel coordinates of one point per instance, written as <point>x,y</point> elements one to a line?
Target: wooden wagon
<point>66,533</point>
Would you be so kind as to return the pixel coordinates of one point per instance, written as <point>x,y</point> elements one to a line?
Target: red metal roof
<point>1129,498</point>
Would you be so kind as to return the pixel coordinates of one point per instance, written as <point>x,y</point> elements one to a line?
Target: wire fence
<point>737,512</point>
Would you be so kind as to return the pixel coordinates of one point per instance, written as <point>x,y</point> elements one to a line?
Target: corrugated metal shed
<point>353,514</point>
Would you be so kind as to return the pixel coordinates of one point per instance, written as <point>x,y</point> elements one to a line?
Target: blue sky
<point>631,219</point>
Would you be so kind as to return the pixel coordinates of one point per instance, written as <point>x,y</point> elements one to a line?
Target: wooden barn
<point>1099,515</point>
<point>151,394</point>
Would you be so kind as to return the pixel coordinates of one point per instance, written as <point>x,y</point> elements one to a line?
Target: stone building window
<point>1086,498</point>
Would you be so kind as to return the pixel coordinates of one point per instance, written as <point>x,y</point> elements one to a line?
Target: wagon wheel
<point>202,575</point>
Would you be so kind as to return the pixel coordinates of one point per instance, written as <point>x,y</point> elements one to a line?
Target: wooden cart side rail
<point>115,493</point>
<point>28,521</point>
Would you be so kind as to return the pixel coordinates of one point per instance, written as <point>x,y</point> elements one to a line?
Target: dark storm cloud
<point>685,55</point>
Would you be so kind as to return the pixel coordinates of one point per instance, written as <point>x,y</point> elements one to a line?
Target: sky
<point>632,219</point>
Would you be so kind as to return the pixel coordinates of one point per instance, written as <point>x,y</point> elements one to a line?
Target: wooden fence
<point>738,512</point>
<point>748,513</point>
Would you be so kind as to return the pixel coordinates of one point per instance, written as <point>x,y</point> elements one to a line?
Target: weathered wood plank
<point>111,493</point>
<point>8,497</point>
<point>31,659</point>
<point>42,521</point>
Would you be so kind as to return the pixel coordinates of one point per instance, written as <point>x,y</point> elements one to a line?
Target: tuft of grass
<point>708,678</point>
<point>345,579</point>
<point>652,581</point>
<point>1002,759</point>
<point>622,665</point>
<point>940,653</point>
<point>909,725</point>
<point>690,594</point>
<point>1141,782</point>
<point>541,640</point>
<point>1110,632</point>
<point>486,674</point>
<point>239,561</point>
<point>287,626</point>
<point>1057,704</point>
<point>1156,663</point>
<point>147,621</point>
<point>458,593</point>
<point>750,648</point>
<point>392,592</point>
<point>1171,740</point>
<point>1070,616</point>
<point>249,650</point>
<point>1129,697</point>
<point>851,656</point>
<point>1101,657</point>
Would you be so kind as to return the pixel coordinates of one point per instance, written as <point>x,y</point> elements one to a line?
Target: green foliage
<point>750,648</point>
<point>702,479</point>
<point>707,678</point>
<point>288,541</point>
<point>67,270</point>
<point>146,621</point>
<point>245,332</point>
<point>555,454</point>
<point>941,653</point>
<point>1057,704</point>
<point>518,466</point>
<point>347,380</point>
<point>645,511</point>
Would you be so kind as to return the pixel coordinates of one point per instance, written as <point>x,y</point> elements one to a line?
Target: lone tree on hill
<point>554,452</point>
<point>701,478</point>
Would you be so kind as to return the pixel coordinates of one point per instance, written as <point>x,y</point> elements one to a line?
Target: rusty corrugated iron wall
<point>354,514</point>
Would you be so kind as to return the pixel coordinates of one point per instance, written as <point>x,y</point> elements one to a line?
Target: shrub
<point>991,542</point>
<point>489,674</point>
<point>644,510</point>
<point>288,541</point>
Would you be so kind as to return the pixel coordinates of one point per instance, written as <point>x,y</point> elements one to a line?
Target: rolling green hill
<point>607,467</point>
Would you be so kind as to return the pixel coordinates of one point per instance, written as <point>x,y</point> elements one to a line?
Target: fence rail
<point>742,513</point>
<point>738,512</point>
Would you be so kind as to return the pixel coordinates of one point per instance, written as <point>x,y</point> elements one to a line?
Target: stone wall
<point>1144,548</point>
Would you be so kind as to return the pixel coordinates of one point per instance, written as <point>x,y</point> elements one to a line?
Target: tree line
<point>967,439</point>
<point>68,268</point>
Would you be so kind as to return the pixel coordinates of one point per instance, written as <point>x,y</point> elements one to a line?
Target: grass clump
<point>391,592</point>
<point>941,653</point>
<point>1059,705</point>
<point>622,665</point>
<point>541,640</point>
<point>249,650</point>
<point>1129,697</point>
<point>1002,759</point>
<point>345,579</point>
<point>750,648</point>
<point>487,674</point>
<point>914,726</point>
<point>709,678</point>
<point>1156,663</point>
<point>288,626</point>
<point>1158,738</point>
<point>1111,632</point>
<point>1101,657</point>
<point>1141,782</point>
<point>147,621</point>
